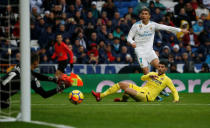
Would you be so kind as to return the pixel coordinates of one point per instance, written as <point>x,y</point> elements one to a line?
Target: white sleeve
<point>167,28</point>
<point>131,34</point>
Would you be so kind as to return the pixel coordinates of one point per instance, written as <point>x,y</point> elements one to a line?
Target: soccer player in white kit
<point>141,37</point>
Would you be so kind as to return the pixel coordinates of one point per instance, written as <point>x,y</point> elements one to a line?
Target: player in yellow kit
<point>156,82</point>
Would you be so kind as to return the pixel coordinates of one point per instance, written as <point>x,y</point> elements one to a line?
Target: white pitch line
<point>122,104</point>
<point>7,119</point>
<point>12,119</point>
<point>45,104</point>
<point>125,104</point>
<point>51,124</point>
<point>153,104</point>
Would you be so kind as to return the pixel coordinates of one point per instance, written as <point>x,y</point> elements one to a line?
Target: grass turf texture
<point>192,112</point>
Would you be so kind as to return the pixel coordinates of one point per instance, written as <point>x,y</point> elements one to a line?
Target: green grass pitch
<point>192,112</point>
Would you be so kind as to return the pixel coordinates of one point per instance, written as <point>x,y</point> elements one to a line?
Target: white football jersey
<point>143,35</point>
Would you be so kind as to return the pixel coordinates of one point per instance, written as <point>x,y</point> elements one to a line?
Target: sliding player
<point>156,82</point>
<point>12,81</point>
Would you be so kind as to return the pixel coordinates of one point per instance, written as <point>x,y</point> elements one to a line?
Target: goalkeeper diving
<point>156,82</point>
<point>10,83</point>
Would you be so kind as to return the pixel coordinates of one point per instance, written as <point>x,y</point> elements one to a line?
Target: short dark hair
<point>164,63</point>
<point>116,38</point>
<point>34,57</point>
<point>145,9</point>
<point>59,35</point>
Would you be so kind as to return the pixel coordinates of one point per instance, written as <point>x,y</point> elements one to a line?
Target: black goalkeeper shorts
<point>62,65</point>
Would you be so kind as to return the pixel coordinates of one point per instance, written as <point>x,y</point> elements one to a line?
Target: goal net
<point>14,50</point>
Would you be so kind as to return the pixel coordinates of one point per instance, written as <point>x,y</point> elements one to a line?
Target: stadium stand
<point>77,17</point>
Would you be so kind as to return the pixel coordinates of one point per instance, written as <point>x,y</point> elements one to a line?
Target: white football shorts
<point>145,59</point>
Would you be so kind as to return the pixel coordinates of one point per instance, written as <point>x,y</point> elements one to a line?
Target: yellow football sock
<point>111,90</point>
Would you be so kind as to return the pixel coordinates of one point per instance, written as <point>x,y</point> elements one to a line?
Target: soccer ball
<point>76,96</point>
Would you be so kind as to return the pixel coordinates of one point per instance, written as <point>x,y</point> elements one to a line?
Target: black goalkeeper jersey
<point>10,84</point>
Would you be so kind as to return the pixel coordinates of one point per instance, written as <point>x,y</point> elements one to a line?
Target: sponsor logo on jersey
<point>145,34</point>
<point>157,81</point>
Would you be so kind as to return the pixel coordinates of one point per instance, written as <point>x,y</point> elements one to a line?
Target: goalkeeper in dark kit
<point>10,83</point>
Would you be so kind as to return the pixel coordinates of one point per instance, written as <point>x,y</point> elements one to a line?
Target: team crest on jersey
<point>150,28</point>
<point>140,26</point>
<point>161,78</point>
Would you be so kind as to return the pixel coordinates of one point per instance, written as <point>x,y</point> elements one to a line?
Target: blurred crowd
<point>98,36</point>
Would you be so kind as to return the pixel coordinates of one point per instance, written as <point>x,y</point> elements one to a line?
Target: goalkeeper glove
<point>60,87</point>
<point>63,83</point>
<point>64,79</point>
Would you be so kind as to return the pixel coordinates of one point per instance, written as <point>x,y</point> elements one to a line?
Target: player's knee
<point>123,85</point>
<point>127,91</point>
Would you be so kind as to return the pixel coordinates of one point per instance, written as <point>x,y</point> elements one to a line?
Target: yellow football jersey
<point>155,86</point>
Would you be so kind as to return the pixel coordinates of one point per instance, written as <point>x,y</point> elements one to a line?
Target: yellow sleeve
<point>146,77</point>
<point>174,92</point>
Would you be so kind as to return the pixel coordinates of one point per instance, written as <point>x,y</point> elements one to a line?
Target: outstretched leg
<point>130,89</point>
<point>111,90</point>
